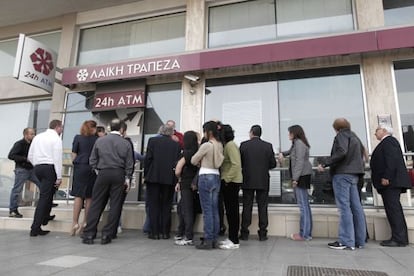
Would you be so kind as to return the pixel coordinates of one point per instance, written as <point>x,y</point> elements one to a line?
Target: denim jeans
<point>352,227</point>
<point>209,188</point>
<point>20,178</point>
<point>302,198</point>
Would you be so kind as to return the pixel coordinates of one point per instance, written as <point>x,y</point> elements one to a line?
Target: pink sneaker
<point>296,237</point>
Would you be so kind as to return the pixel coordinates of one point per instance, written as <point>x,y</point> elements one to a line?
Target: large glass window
<point>404,72</point>
<point>30,114</point>
<point>311,98</point>
<point>135,39</point>
<point>315,101</point>
<point>8,50</point>
<point>398,12</point>
<point>265,20</point>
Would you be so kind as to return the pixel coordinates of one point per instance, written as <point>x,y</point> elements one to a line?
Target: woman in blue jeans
<point>300,170</point>
<point>210,157</point>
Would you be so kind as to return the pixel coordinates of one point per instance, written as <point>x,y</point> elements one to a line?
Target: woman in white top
<point>210,157</point>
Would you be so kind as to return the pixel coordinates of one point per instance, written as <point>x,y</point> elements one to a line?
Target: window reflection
<point>266,20</point>
<point>398,12</point>
<point>148,37</point>
<point>310,98</point>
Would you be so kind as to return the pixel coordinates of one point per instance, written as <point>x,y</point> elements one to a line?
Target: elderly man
<point>390,178</point>
<point>160,160</point>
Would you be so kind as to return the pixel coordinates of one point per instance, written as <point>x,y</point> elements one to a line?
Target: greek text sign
<point>35,63</point>
<point>127,70</point>
<point>114,100</point>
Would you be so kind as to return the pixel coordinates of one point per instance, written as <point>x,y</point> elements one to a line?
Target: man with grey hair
<point>160,160</point>
<point>176,136</point>
<point>390,178</point>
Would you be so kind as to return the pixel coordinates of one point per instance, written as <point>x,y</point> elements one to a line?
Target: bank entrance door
<point>134,118</point>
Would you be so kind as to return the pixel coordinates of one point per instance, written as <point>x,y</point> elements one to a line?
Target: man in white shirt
<point>45,153</point>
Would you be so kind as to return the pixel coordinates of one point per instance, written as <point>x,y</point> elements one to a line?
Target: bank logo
<point>42,61</point>
<point>82,74</point>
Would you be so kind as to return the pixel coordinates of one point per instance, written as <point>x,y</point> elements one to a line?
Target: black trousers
<point>395,215</point>
<point>47,179</point>
<point>187,213</point>
<point>262,202</point>
<point>160,197</point>
<point>109,185</point>
<point>221,209</point>
<point>231,202</point>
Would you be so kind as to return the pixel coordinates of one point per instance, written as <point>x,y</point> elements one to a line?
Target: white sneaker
<point>223,242</point>
<point>178,237</point>
<point>184,242</point>
<point>229,246</point>
<point>119,230</point>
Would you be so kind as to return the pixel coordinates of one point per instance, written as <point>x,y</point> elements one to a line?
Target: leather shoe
<point>153,237</point>
<point>244,237</point>
<point>40,232</point>
<point>87,240</point>
<point>391,243</point>
<point>263,238</point>
<point>105,240</point>
<point>49,218</point>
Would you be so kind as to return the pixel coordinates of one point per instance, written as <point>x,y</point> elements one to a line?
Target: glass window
<point>163,104</point>
<point>8,50</point>
<point>311,98</point>
<point>31,114</point>
<point>7,57</point>
<point>315,101</point>
<point>149,37</point>
<point>404,72</point>
<point>398,12</point>
<point>404,81</point>
<point>265,20</point>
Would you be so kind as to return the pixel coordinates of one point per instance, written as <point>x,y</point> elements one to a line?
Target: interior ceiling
<point>21,11</point>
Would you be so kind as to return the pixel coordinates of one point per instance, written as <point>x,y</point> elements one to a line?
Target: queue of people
<point>175,162</point>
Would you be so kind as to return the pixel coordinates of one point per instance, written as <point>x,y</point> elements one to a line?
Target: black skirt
<point>83,181</point>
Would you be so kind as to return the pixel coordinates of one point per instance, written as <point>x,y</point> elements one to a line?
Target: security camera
<point>192,78</point>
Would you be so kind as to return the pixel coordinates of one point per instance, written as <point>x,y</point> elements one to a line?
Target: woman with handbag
<point>186,172</point>
<point>301,170</point>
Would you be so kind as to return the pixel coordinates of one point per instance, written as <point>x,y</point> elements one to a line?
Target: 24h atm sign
<point>35,63</point>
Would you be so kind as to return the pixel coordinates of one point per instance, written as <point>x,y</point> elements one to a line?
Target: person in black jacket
<point>257,157</point>
<point>185,171</point>
<point>160,160</point>
<point>23,170</point>
<point>346,166</point>
<point>390,178</point>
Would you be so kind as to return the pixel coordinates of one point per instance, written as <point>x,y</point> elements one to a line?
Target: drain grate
<point>327,271</point>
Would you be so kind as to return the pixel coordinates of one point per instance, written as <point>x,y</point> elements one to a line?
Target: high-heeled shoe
<point>74,229</point>
<point>80,230</point>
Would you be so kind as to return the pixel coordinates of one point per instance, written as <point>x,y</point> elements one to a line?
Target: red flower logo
<point>42,61</point>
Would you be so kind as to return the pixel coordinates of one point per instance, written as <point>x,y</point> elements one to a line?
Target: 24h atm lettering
<point>125,100</point>
<point>135,68</point>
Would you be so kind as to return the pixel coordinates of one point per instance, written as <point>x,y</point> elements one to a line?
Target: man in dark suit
<point>111,157</point>
<point>257,158</point>
<point>160,160</point>
<point>390,178</point>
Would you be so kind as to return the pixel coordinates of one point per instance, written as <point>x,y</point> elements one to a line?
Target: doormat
<point>328,271</point>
